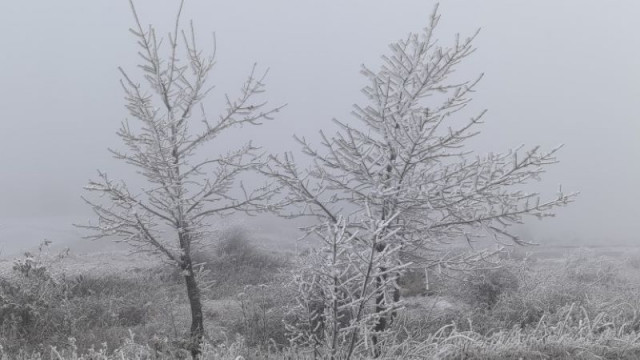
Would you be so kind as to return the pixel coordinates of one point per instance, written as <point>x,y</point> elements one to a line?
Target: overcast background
<point>555,72</point>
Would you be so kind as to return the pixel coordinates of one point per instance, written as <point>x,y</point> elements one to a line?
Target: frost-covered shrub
<point>483,288</point>
<point>346,295</point>
<point>263,311</point>
<point>586,268</point>
<point>633,261</point>
<point>42,306</point>
<point>235,263</point>
<point>29,297</point>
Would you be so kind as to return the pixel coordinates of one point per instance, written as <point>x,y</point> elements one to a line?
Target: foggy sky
<point>555,72</point>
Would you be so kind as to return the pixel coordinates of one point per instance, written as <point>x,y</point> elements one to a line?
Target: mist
<point>554,73</point>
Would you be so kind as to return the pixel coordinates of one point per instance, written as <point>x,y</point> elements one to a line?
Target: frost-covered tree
<point>404,159</point>
<point>336,288</point>
<point>165,142</point>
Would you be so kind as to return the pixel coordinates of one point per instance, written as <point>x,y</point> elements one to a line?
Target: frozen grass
<point>561,341</point>
<point>52,300</point>
<point>584,306</point>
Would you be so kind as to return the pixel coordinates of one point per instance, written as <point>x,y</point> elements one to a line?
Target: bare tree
<point>405,159</point>
<point>184,188</point>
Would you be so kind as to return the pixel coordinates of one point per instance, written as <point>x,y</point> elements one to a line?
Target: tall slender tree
<point>184,187</point>
<point>403,159</point>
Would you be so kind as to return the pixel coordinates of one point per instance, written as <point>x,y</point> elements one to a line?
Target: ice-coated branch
<point>407,155</point>
<point>337,285</point>
<point>403,166</point>
<point>161,138</point>
<point>183,189</point>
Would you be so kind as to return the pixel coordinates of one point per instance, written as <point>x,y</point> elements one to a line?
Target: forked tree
<point>165,142</point>
<point>402,164</point>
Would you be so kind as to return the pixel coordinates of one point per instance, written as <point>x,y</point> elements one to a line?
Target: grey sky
<point>555,72</point>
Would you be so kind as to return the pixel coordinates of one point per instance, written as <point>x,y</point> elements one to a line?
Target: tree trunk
<point>381,305</point>
<point>193,293</point>
<point>195,303</point>
<point>381,325</point>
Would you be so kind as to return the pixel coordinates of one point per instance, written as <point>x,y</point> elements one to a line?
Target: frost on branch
<point>339,286</point>
<point>404,155</point>
<point>402,165</point>
<point>163,142</point>
<point>168,126</point>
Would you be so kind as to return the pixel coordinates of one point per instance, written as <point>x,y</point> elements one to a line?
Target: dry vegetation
<point>578,306</point>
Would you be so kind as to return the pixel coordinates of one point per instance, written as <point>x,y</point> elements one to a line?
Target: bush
<point>264,308</point>
<point>633,261</point>
<point>38,309</point>
<point>28,300</point>
<point>585,268</point>
<point>235,263</point>
<point>483,288</point>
